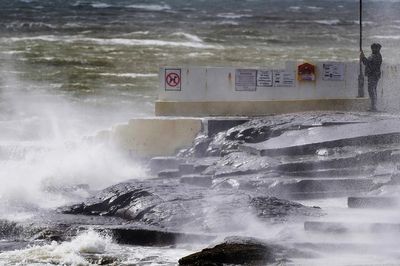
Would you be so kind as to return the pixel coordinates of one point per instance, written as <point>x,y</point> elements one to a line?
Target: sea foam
<point>115,41</point>
<point>151,7</point>
<point>100,5</point>
<point>66,253</point>
<point>130,75</point>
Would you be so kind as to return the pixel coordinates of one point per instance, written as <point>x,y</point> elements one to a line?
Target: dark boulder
<point>235,251</point>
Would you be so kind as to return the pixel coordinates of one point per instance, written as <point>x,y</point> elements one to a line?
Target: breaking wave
<point>386,37</point>
<point>116,41</point>
<point>328,22</point>
<point>151,7</point>
<point>130,75</point>
<point>232,15</point>
<point>190,37</point>
<point>100,5</point>
<point>66,253</point>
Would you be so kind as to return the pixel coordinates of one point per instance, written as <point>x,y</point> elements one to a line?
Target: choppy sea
<point>69,68</point>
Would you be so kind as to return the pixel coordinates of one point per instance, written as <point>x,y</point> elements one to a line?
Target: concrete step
<point>349,161</point>
<point>373,202</point>
<point>335,172</point>
<point>345,247</point>
<point>197,180</point>
<point>192,168</point>
<point>161,163</point>
<point>323,185</point>
<point>186,169</point>
<point>317,195</point>
<point>343,227</point>
<point>169,173</point>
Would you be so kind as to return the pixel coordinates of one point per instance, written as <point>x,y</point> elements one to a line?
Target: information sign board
<point>283,78</point>
<point>333,71</point>
<point>245,79</point>
<point>264,78</point>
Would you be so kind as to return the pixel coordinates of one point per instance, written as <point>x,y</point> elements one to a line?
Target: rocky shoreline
<point>235,178</point>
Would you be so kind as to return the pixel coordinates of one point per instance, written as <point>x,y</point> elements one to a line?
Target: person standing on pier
<point>373,72</point>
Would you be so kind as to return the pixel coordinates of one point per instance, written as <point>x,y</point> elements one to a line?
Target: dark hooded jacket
<point>373,65</point>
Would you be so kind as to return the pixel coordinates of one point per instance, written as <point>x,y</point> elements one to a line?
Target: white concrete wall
<point>218,84</point>
<point>207,84</point>
<point>388,89</point>
<point>149,137</point>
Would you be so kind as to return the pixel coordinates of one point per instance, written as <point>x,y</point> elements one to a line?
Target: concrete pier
<point>149,137</point>
<point>256,108</point>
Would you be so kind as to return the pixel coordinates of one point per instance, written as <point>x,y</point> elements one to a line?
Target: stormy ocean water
<point>71,68</point>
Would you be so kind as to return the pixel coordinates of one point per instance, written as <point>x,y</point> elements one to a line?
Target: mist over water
<point>43,150</point>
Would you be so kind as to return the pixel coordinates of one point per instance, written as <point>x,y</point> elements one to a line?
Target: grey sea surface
<point>107,53</point>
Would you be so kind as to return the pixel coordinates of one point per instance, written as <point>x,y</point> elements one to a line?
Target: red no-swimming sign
<point>173,79</point>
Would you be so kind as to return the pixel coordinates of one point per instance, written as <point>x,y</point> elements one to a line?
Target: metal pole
<point>361,26</point>
<point>361,75</point>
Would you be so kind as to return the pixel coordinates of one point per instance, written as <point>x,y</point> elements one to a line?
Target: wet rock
<point>96,259</point>
<point>227,183</point>
<point>262,129</point>
<point>240,163</point>
<point>108,201</point>
<point>367,158</point>
<point>152,237</point>
<point>51,234</point>
<point>221,146</point>
<point>217,125</point>
<point>272,207</point>
<point>175,206</point>
<point>236,251</point>
<point>149,202</point>
<point>250,134</point>
<point>309,141</point>
<point>198,149</point>
<point>197,180</point>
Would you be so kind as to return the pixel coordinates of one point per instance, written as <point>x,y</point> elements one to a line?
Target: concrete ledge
<point>256,108</point>
<point>339,227</point>
<point>149,137</point>
<point>373,202</point>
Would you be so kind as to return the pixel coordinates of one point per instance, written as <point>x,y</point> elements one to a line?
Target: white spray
<point>43,155</point>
